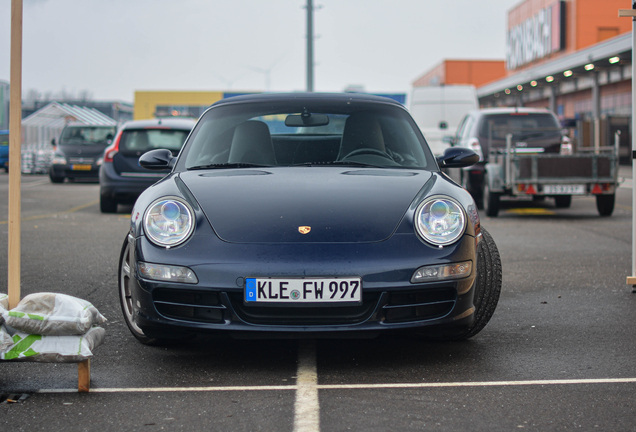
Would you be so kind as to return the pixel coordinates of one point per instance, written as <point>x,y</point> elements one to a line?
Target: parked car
<point>4,150</point>
<point>341,223</point>
<point>79,150</point>
<point>121,179</point>
<point>487,128</point>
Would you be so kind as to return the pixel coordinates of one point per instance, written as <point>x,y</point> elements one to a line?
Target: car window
<point>87,135</point>
<point>470,121</point>
<point>138,141</point>
<point>314,134</point>
<point>521,125</point>
<point>460,128</point>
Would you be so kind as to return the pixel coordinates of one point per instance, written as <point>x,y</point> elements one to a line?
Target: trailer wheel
<point>563,201</point>
<point>605,204</point>
<point>490,199</point>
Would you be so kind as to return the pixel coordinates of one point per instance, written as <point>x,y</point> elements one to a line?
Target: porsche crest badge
<point>304,229</point>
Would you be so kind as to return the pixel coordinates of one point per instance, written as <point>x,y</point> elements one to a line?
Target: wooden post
<point>84,376</point>
<point>15,143</point>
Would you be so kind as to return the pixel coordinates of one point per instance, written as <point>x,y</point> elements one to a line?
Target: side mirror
<point>457,157</point>
<point>159,159</point>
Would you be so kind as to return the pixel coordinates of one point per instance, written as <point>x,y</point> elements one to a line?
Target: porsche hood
<point>305,204</point>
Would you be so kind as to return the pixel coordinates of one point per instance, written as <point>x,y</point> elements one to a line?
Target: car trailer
<point>519,171</point>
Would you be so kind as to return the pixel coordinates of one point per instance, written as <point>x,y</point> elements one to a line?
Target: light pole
<point>310,46</point>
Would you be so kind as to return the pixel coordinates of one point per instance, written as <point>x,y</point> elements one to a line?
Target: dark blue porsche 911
<point>307,214</point>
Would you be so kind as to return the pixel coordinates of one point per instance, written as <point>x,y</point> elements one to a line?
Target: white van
<point>438,110</point>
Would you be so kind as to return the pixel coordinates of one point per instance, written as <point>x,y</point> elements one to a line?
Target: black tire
<point>107,205</point>
<point>605,204</point>
<point>125,295</point>
<point>56,179</point>
<point>491,199</point>
<point>563,201</point>
<point>487,289</point>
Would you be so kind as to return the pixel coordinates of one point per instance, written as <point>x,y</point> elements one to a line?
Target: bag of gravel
<point>52,314</point>
<point>57,349</point>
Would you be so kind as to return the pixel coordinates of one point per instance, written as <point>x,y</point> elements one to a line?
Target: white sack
<point>53,314</point>
<point>5,339</point>
<point>58,349</point>
<point>4,306</point>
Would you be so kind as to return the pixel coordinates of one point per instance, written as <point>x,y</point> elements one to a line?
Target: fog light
<point>167,273</point>
<point>442,272</point>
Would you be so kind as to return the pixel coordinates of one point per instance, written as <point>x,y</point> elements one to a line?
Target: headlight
<point>59,159</point>
<point>169,221</point>
<point>440,220</point>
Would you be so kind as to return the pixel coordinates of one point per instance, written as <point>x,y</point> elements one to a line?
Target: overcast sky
<point>113,47</point>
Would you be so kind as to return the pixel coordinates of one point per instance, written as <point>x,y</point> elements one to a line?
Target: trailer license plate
<point>564,189</point>
<point>306,290</point>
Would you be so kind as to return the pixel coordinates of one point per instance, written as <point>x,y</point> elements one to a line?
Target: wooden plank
<point>84,376</point>
<point>627,12</point>
<point>631,280</point>
<point>15,143</point>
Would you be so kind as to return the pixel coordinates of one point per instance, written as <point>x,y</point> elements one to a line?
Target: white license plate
<point>303,290</point>
<point>564,189</point>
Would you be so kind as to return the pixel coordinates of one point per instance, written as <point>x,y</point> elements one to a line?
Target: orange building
<point>475,72</point>
<point>574,57</point>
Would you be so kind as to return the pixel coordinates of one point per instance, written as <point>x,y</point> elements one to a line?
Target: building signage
<point>537,37</point>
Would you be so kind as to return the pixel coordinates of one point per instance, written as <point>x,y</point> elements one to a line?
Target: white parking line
<point>478,384</point>
<point>307,406</point>
<point>307,385</point>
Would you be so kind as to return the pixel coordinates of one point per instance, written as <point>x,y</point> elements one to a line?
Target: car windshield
<point>87,135</point>
<point>311,133</point>
<point>138,141</point>
<point>520,125</point>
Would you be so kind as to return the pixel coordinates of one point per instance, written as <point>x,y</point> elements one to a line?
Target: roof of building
<point>57,114</point>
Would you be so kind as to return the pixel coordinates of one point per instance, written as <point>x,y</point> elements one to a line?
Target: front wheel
<point>605,204</point>
<point>126,267</point>
<point>487,288</point>
<point>56,179</point>
<point>491,199</point>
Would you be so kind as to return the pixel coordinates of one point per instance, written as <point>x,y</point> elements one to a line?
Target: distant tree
<point>32,96</point>
<point>84,95</point>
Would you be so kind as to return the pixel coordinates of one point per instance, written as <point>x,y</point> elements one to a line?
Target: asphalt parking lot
<point>559,353</point>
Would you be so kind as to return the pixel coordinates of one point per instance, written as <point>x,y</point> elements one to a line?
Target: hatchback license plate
<point>564,189</point>
<point>303,290</point>
<point>81,167</point>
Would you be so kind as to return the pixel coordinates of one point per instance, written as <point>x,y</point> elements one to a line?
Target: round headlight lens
<point>169,222</point>
<point>440,220</point>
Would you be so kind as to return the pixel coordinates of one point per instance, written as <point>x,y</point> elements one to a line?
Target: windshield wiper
<point>338,163</point>
<point>228,165</point>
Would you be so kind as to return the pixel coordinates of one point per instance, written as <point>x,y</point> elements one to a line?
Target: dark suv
<point>121,179</point>
<point>532,129</point>
<point>79,150</point>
